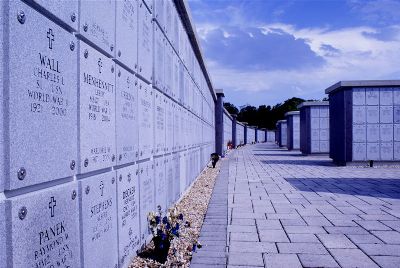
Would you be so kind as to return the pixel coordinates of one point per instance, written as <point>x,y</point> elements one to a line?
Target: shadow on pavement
<point>300,162</point>
<point>374,187</point>
<point>288,154</point>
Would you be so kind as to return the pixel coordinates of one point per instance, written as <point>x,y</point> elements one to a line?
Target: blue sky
<point>265,51</point>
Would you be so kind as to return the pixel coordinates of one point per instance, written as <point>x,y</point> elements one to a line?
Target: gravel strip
<point>193,205</point>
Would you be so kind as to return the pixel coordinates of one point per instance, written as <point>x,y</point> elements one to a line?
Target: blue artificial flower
<point>164,220</point>
<point>194,247</point>
<point>163,237</point>
<point>168,226</point>
<point>159,232</point>
<point>157,219</point>
<point>177,226</point>
<point>180,216</point>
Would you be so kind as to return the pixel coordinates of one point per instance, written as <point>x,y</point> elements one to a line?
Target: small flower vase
<point>161,248</point>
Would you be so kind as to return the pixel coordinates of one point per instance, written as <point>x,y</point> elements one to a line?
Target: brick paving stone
<point>306,238</point>
<point>392,224</point>
<point>256,247</point>
<point>336,241</point>
<point>202,265</point>
<point>317,221</point>
<point>345,230</point>
<point>208,260</point>
<point>273,236</point>
<point>241,266</point>
<point>282,261</point>
<point>311,248</point>
<point>387,261</point>
<point>251,237</point>
<point>313,260</point>
<point>389,237</point>
<point>372,225</point>
<point>242,228</point>
<point>274,216</point>
<point>293,222</point>
<point>381,249</point>
<point>320,214</point>
<point>352,258</point>
<point>245,259</point>
<point>269,225</point>
<point>243,221</point>
<point>305,230</point>
<point>364,239</point>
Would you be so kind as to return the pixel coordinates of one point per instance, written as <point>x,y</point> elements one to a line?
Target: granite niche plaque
<point>396,150</point>
<point>386,151</point>
<point>386,96</point>
<point>44,228</point>
<point>159,123</point>
<point>128,214</point>
<point>182,172</point>
<point>372,133</point>
<point>386,114</point>
<point>169,174</point>
<point>145,123</point>
<point>159,58</point>
<point>177,173</point>
<point>126,116</point>
<point>359,151</point>
<point>65,11</point>
<point>41,90</point>
<point>359,96</point>
<point>98,210</point>
<point>373,151</point>
<point>126,33</point>
<point>315,146</point>
<point>145,43</point>
<point>396,114</point>
<point>386,132</point>
<point>359,133</point>
<point>160,183</point>
<point>97,109</point>
<point>169,136</point>
<point>359,115</point>
<point>372,114</point>
<point>147,200</point>
<point>372,96</point>
<point>3,257</point>
<point>97,24</point>
<point>396,97</point>
<point>396,132</point>
<point>324,146</point>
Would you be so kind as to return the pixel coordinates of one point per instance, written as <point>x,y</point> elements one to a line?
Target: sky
<point>266,51</point>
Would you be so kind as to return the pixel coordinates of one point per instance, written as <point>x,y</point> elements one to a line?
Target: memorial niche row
<point>77,101</point>
<point>360,124</point>
<point>121,118</point>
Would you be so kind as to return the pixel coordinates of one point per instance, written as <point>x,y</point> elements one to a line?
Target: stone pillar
<point>256,135</point>
<point>234,136</point>
<point>245,133</point>
<point>219,122</point>
<point>266,134</point>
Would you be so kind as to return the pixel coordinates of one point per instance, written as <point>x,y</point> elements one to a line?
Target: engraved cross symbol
<point>100,63</point>
<point>52,205</point>
<point>50,36</point>
<point>101,187</point>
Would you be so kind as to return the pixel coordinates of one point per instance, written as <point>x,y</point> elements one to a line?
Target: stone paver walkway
<point>289,210</point>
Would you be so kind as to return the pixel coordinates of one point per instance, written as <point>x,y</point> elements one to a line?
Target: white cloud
<point>357,57</point>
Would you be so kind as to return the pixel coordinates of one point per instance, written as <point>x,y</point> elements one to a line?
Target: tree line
<point>264,116</point>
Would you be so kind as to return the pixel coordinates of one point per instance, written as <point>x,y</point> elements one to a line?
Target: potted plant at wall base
<point>164,229</point>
